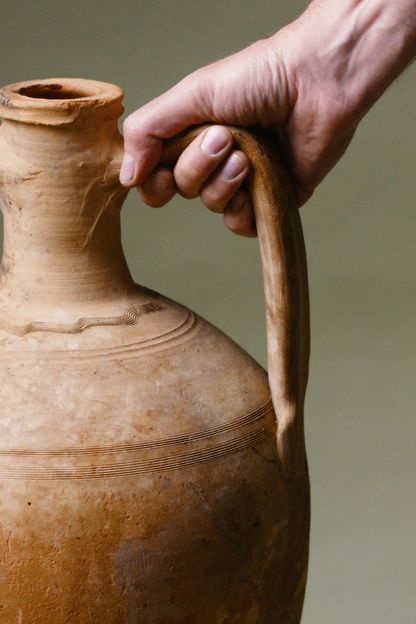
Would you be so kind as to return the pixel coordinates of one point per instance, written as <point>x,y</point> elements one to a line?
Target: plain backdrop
<point>360,232</point>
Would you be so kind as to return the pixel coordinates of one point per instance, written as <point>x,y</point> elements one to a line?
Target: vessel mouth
<point>57,92</point>
<point>61,101</point>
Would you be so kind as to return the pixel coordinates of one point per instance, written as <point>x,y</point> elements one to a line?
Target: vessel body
<point>140,480</point>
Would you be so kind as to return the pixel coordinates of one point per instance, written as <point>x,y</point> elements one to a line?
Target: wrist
<point>355,48</point>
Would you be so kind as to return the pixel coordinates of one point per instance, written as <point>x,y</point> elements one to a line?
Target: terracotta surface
<point>143,476</point>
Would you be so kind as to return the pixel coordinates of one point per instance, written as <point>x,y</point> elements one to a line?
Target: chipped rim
<point>61,101</point>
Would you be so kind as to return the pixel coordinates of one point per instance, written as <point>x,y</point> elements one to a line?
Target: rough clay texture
<point>140,481</point>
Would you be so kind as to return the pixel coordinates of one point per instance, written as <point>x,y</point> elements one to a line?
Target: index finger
<point>145,129</point>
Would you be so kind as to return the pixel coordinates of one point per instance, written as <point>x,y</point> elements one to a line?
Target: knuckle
<point>214,201</point>
<point>187,181</point>
<point>186,195</point>
<point>151,200</point>
<point>128,124</point>
<point>131,125</point>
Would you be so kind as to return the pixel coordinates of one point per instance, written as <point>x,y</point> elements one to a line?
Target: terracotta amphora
<point>150,472</point>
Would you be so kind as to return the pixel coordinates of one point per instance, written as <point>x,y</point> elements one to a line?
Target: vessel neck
<point>61,201</point>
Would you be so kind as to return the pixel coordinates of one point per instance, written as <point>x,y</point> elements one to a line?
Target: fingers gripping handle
<point>285,282</point>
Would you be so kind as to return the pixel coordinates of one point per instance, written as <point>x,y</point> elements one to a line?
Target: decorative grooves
<point>192,448</point>
<point>130,317</point>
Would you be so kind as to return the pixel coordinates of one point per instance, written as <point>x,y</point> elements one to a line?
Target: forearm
<point>361,46</point>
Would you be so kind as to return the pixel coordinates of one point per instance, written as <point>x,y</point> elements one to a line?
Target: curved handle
<point>285,282</point>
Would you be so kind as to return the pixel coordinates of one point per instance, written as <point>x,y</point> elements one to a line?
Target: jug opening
<point>61,102</point>
<point>56,91</point>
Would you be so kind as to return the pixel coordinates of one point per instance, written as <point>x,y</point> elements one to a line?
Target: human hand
<point>309,86</point>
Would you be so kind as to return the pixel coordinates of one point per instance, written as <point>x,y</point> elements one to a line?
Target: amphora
<point>150,472</point>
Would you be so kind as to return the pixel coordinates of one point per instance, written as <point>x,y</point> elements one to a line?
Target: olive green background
<point>359,229</point>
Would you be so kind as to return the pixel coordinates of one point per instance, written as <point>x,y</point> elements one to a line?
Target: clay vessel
<point>147,475</point>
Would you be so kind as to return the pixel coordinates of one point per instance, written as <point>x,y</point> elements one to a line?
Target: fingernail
<point>158,184</point>
<point>127,169</point>
<point>214,141</point>
<point>232,168</point>
<point>237,202</point>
